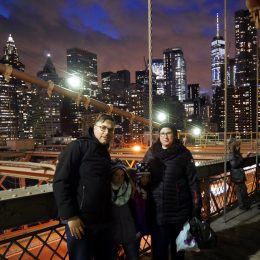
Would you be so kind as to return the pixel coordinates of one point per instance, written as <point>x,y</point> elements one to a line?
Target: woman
<point>175,193</point>
<point>238,176</point>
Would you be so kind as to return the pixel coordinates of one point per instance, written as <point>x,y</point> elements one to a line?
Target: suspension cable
<point>225,110</point>
<point>150,69</point>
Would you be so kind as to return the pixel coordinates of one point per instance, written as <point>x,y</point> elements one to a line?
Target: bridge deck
<point>238,237</point>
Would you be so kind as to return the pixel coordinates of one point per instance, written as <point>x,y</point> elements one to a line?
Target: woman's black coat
<point>175,191</point>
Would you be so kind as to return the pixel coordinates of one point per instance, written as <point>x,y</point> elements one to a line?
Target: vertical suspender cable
<point>225,110</point>
<point>257,109</point>
<point>150,69</point>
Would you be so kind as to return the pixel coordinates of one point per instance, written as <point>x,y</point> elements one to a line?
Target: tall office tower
<point>158,72</point>
<point>106,82</point>
<point>217,76</point>
<point>82,64</point>
<point>205,111</point>
<point>193,91</point>
<point>124,80</point>
<point>192,104</point>
<point>114,91</point>
<point>245,87</point>
<point>136,102</point>
<point>231,73</point>
<point>217,59</point>
<point>46,110</point>
<point>175,74</point>
<point>115,84</point>
<point>142,81</point>
<point>15,95</point>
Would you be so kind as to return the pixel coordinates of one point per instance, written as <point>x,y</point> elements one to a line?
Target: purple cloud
<point>116,31</point>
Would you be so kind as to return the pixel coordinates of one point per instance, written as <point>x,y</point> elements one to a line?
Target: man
<point>82,190</point>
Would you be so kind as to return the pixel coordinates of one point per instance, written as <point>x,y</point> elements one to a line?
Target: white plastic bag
<point>185,241</point>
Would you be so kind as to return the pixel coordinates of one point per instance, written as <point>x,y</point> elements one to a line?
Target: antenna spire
<point>217,26</point>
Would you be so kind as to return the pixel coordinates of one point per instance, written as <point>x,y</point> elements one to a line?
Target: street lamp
<point>196,131</point>
<point>163,117</point>
<point>74,82</point>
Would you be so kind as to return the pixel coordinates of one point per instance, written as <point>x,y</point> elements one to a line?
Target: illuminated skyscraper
<point>46,112</point>
<point>158,73</point>
<point>15,96</point>
<point>114,85</point>
<point>82,64</point>
<point>217,59</point>
<point>175,75</point>
<point>243,94</point>
<point>217,73</point>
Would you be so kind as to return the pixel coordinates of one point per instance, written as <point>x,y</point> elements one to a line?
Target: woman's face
<point>166,137</point>
<point>118,177</point>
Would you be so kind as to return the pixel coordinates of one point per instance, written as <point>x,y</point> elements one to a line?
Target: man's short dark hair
<point>171,126</point>
<point>103,117</point>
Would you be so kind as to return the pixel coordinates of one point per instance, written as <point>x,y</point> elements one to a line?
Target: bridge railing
<point>30,228</point>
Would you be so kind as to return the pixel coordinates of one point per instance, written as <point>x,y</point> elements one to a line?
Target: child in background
<point>140,205</point>
<point>123,227</point>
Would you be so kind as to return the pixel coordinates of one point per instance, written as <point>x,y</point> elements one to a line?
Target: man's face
<point>166,137</point>
<point>104,131</point>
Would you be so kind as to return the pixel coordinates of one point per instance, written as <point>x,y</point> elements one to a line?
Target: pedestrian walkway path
<point>238,237</point>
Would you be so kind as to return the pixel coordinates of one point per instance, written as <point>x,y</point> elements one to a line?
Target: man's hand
<point>76,227</point>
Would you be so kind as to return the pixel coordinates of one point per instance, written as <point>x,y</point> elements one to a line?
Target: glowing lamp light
<point>74,81</point>
<point>136,148</point>
<point>196,131</point>
<point>162,117</point>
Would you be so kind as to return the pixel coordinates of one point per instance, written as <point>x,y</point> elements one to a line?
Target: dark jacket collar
<point>176,148</point>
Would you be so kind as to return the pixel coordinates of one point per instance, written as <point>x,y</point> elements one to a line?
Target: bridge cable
<point>225,111</point>
<point>150,70</point>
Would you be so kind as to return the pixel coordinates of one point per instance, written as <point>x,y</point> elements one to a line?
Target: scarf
<point>121,194</point>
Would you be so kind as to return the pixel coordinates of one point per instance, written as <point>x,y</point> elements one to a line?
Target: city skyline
<point>112,30</point>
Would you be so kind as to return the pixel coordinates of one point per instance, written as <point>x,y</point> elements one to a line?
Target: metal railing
<point>47,240</point>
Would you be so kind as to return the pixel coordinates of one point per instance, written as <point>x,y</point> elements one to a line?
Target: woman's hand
<point>248,154</point>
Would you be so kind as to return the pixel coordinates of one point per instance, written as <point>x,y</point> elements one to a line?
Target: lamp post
<point>196,131</point>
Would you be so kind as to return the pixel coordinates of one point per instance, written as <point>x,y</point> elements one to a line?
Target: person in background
<point>140,202</point>
<point>123,227</point>
<point>175,191</point>
<point>237,172</point>
<point>82,190</point>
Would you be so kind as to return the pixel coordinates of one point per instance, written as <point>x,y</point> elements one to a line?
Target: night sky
<point>116,30</point>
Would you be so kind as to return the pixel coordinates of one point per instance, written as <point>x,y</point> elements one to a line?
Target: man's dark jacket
<point>175,189</point>
<point>82,182</point>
